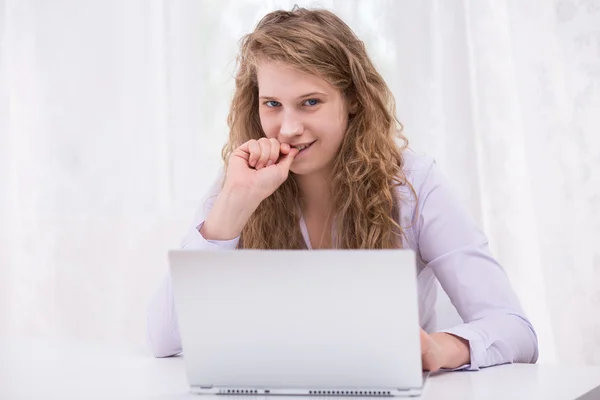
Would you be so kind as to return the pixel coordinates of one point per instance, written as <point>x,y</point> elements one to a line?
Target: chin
<point>304,169</point>
<point>300,170</point>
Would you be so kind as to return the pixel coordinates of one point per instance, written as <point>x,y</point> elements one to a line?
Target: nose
<point>291,125</point>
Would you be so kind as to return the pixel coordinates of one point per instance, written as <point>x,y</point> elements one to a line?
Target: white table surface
<point>53,369</point>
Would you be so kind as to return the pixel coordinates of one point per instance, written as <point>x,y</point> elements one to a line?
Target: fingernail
<point>269,163</point>
<point>259,166</point>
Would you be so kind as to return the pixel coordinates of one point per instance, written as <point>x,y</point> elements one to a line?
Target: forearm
<point>228,216</point>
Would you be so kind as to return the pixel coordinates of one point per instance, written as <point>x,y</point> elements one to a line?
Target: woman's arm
<point>495,328</point>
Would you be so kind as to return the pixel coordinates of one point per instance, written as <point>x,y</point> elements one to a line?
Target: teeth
<point>300,148</point>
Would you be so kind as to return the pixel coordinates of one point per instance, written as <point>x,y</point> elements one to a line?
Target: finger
<point>275,147</point>
<point>254,150</point>
<point>424,342</point>
<point>285,148</point>
<point>243,151</point>
<point>286,161</point>
<point>424,351</point>
<point>265,152</point>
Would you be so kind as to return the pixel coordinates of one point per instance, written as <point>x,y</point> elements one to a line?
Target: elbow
<point>158,352</point>
<point>161,346</point>
<point>162,335</point>
<point>528,353</point>
<point>534,344</point>
<point>162,330</point>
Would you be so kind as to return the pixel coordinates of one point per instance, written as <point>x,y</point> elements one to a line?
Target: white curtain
<point>112,116</point>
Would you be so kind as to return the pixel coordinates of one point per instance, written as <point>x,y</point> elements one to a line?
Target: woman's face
<point>304,111</point>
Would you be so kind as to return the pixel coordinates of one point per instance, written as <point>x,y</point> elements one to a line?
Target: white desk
<point>44,369</point>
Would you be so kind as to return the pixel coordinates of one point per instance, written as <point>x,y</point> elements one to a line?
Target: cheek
<point>335,131</point>
<point>333,123</point>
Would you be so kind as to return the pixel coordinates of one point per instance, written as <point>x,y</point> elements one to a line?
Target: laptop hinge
<point>206,386</point>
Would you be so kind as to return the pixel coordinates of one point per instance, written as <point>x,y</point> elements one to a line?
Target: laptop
<point>293,322</point>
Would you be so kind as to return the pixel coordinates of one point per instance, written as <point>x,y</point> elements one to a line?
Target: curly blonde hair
<point>368,166</point>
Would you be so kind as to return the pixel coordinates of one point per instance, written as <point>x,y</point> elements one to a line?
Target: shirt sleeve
<point>452,245</point>
<point>162,328</point>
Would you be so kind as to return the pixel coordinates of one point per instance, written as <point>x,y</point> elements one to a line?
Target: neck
<point>315,193</point>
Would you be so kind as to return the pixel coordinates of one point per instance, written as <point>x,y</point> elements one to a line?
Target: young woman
<point>316,159</point>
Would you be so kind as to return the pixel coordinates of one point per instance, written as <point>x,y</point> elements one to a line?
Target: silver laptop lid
<point>277,322</point>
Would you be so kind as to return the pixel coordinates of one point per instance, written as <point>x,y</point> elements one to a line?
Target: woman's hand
<point>255,170</point>
<point>259,167</point>
<point>443,350</point>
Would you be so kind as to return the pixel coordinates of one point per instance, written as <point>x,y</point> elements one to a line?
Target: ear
<point>352,104</point>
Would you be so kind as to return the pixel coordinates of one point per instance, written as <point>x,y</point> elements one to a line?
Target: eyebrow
<point>299,97</point>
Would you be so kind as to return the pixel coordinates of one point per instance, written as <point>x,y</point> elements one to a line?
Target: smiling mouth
<point>304,146</point>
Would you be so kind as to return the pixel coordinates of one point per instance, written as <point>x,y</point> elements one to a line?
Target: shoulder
<point>423,178</point>
<point>414,160</point>
<point>419,169</point>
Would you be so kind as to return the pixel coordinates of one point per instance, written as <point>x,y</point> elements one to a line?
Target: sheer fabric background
<point>112,117</point>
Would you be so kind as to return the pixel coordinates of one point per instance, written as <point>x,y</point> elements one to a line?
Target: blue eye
<point>312,102</point>
<point>272,103</point>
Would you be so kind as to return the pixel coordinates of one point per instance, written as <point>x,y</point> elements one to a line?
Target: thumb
<point>424,342</point>
<point>286,161</point>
